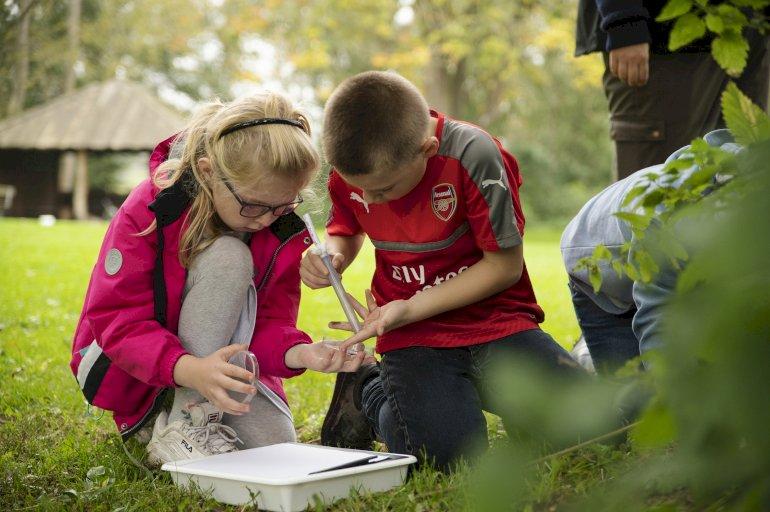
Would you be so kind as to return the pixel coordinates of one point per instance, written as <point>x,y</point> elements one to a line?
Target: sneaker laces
<point>215,437</point>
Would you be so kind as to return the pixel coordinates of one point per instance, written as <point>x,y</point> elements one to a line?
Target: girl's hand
<point>212,376</point>
<point>377,319</point>
<point>322,357</point>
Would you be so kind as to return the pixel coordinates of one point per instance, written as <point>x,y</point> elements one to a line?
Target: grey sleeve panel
<point>481,158</point>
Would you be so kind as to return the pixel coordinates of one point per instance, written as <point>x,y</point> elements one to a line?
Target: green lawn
<point>49,442</point>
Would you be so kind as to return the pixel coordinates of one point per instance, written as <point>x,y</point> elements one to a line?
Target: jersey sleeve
<point>490,192</point>
<point>342,220</point>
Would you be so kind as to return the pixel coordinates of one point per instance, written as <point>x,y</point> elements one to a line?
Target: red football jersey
<point>467,202</point>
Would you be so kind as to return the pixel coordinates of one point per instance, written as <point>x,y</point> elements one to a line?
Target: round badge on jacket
<point>113,262</point>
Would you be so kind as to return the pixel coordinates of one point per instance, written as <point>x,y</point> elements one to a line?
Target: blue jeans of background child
<point>609,337</point>
<point>430,400</point>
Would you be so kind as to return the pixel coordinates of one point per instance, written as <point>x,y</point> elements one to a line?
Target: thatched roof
<point>111,116</point>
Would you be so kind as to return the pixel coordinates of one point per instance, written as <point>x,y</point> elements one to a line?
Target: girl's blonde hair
<point>244,157</point>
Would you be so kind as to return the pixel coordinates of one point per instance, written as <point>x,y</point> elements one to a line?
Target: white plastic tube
<point>335,279</point>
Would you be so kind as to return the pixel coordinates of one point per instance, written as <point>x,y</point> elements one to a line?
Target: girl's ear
<point>204,166</point>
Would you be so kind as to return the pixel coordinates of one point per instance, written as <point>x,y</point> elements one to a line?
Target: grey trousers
<point>681,101</point>
<point>219,308</point>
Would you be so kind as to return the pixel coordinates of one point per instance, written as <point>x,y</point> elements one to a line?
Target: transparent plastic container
<point>248,361</point>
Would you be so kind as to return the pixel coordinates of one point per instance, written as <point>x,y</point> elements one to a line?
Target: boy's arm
<point>493,273</point>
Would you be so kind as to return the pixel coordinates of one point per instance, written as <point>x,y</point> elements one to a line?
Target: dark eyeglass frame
<point>290,207</point>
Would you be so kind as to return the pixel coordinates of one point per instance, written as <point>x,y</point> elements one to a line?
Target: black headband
<point>258,122</point>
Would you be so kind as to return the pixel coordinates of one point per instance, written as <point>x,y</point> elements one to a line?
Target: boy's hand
<point>212,376</point>
<point>377,319</point>
<point>322,357</point>
<point>313,271</point>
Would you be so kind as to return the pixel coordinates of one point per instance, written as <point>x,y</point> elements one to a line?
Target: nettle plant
<point>704,414</point>
<point>724,20</point>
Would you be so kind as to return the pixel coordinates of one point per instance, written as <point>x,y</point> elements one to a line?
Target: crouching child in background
<point>623,319</point>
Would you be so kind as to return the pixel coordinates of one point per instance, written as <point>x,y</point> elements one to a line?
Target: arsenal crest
<point>444,201</point>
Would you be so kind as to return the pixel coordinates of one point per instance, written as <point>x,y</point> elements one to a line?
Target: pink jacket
<point>123,358</point>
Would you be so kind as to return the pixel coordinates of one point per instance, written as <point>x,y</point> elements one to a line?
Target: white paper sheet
<point>284,461</point>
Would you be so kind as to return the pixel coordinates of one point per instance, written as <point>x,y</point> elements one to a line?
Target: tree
<point>506,66</point>
<point>21,71</point>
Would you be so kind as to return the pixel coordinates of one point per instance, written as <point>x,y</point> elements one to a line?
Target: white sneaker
<point>582,355</point>
<point>200,434</point>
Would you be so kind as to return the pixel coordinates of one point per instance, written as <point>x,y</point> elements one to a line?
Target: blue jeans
<point>429,401</point>
<point>609,338</point>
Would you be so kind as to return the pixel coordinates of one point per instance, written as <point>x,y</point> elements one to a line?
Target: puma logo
<point>355,197</point>
<point>501,181</point>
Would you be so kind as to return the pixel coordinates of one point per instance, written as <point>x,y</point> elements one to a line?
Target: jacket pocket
<point>631,129</point>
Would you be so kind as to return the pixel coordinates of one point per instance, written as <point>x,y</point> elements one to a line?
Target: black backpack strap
<point>287,226</point>
<point>168,206</point>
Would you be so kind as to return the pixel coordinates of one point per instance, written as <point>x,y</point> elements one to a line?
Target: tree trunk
<point>65,184</point>
<point>73,36</point>
<point>444,87</point>
<point>80,191</point>
<point>19,93</point>
<point>435,85</point>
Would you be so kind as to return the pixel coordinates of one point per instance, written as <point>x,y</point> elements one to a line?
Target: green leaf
<point>674,9</point>
<point>617,266</point>
<point>731,51</point>
<point>595,277</point>
<point>731,16</point>
<point>631,271</point>
<point>747,122</point>
<point>654,198</point>
<point>701,176</point>
<point>634,193</point>
<point>715,23</point>
<point>636,220</point>
<point>687,29</point>
<point>656,428</point>
<point>602,253</point>
<point>646,265</point>
<point>754,4</point>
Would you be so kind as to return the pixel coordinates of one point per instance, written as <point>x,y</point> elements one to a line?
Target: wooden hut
<point>44,150</point>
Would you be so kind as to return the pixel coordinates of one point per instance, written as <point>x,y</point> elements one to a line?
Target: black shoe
<point>345,425</point>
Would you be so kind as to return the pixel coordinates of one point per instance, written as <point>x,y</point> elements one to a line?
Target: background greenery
<point>506,66</point>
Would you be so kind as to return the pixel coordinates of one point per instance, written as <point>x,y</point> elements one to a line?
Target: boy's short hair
<point>374,120</point>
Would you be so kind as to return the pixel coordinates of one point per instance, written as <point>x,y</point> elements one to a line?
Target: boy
<point>450,294</point>
<point>622,321</point>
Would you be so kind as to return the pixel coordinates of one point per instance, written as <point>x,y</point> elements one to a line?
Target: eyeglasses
<point>254,210</point>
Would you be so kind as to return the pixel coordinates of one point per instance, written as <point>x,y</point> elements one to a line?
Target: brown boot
<point>345,425</point>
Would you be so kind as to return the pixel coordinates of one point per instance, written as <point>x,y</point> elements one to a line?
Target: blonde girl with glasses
<point>200,263</point>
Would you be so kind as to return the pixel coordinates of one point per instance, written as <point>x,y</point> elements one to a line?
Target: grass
<point>54,454</point>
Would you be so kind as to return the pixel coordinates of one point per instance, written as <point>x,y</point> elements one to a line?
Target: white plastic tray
<point>278,477</point>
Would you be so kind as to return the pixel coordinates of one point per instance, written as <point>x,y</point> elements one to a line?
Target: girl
<point>200,262</point>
